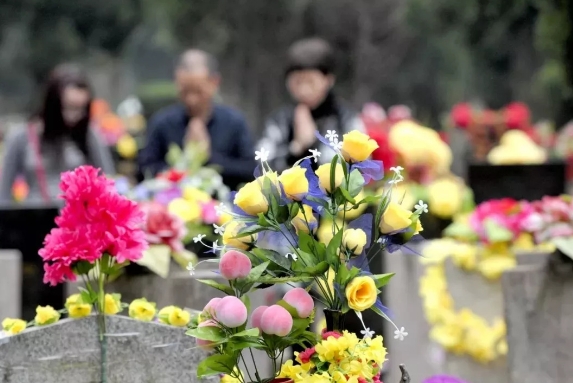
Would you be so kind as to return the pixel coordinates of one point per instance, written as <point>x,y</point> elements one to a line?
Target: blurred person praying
<point>220,130</point>
<point>290,132</point>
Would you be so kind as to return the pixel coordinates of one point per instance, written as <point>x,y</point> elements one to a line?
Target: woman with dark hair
<point>58,139</point>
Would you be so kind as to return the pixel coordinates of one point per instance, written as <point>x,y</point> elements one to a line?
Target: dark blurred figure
<point>59,138</point>
<point>290,132</point>
<point>222,130</point>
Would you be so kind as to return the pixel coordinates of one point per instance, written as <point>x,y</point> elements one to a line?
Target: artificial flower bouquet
<point>272,239</point>
<point>516,147</point>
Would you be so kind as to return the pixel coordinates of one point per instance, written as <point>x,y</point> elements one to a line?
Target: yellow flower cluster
<point>189,208</point>
<point>142,310</point>
<point>460,331</point>
<point>341,360</point>
<point>174,316</point>
<point>12,326</point>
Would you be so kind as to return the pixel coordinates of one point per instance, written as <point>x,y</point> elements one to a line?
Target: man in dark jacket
<point>221,130</point>
<point>290,132</point>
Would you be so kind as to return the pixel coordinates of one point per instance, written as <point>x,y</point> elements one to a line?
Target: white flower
<point>400,334</point>
<point>315,154</point>
<point>199,238</point>
<point>367,333</point>
<point>396,180</point>
<point>336,145</point>
<point>220,209</point>
<point>421,206</point>
<point>216,245</point>
<point>396,169</point>
<point>219,230</point>
<point>292,255</point>
<point>331,135</point>
<point>190,268</point>
<point>262,155</point>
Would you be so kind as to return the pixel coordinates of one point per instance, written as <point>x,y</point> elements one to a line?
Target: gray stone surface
<point>10,284</point>
<point>69,351</point>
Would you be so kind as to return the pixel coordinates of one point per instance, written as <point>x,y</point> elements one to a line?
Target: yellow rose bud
<point>163,314</point>
<point>195,195</point>
<point>187,211</point>
<point>395,218</point>
<point>304,220</point>
<point>178,317</point>
<point>323,174</point>
<point>46,315</point>
<point>294,182</point>
<point>13,326</point>
<point>231,231</point>
<point>126,146</point>
<point>353,213</point>
<point>224,218</point>
<point>354,240</point>
<point>112,304</point>
<point>142,310</point>
<point>272,176</point>
<point>361,293</point>
<point>357,146</point>
<point>76,307</point>
<point>325,229</point>
<point>251,200</point>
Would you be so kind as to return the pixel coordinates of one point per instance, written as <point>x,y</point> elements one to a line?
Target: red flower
<point>306,355</point>
<point>461,115</point>
<point>326,334</point>
<point>384,153</point>
<point>173,175</point>
<point>162,227</point>
<point>517,115</point>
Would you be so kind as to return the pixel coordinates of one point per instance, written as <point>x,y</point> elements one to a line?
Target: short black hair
<point>310,53</point>
<point>192,58</point>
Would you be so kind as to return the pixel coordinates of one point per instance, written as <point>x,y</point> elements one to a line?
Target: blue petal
<point>283,241</point>
<point>383,308</point>
<point>258,171</point>
<point>363,222</point>
<point>323,139</point>
<point>370,170</point>
<point>360,262</point>
<point>141,192</point>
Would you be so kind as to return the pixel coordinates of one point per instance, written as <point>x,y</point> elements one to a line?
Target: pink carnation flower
<point>162,227</point>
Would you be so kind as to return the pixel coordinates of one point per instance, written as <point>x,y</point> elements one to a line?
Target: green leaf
<point>355,183</point>
<point>82,267</point>
<point>368,200</point>
<point>219,286</point>
<point>305,242</point>
<point>346,194</point>
<point>240,343</point>
<point>216,364</point>
<point>276,280</point>
<point>274,257</point>
<point>247,301</point>
<point>333,164</point>
<point>495,232</point>
<point>382,279</point>
<point>334,246</point>
<point>319,269</point>
<point>293,210</point>
<point>292,311</point>
<point>247,333</point>
<point>87,297</point>
<point>248,231</point>
<point>213,334</point>
<point>257,271</point>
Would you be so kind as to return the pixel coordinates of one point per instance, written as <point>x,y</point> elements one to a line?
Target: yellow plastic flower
<point>395,218</point>
<point>361,293</point>
<point>127,146</point>
<point>179,318</point>
<point>294,183</point>
<point>224,218</point>
<point>402,195</point>
<point>492,267</point>
<point>357,146</point>
<point>465,256</point>
<point>112,304</point>
<point>304,220</point>
<point>323,174</point>
<point>354,240</point>
<point>195,195</point>
<point>46,315</point>
<point>13,326</point>
<point>325,230</point>
<point>76,307</point>
<point>163,314</point>
<point>251,200</point>
<point>142,310</point>
<point>231,231</point>
<point>351,213</point>
<point>445,197</point>
<point>184,209</point>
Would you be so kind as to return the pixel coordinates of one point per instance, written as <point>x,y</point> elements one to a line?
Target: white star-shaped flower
<point>292,255</point>
<point>190,268</point>
<point>216,245</point>
<point>367,333</point>
<point>220,208</point>
<point>219,230</point>
<point>331,135</point>
<point>262,155</point>
<point>336,145</point>
<point>396,169</point>
<point>199,238</point>
<point>400,334</point>
<point>396,180</point>
<point>315,154</point>
<point>421,206</point>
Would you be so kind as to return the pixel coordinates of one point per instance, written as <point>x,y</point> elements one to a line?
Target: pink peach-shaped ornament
<point>301,300</point>
<point>231,312</point>
<point>257,315</point>
<point>234,264</point>
<point>276,320</point>
<point>206,345</point>
<point>211,306</point>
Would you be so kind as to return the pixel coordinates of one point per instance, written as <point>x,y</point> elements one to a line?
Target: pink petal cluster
<point>326,334</point>
<point>161,227</point>
<point>550,217</point>
<point>505,212</point>
<point>306,355</point>
<point>209,213</point>
<point>95,220</point>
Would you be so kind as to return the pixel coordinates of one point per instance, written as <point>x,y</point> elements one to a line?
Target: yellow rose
<point>142,310</point>
<point>13,326</point>
<point>325,229</point>
<point>187,211</point>
<point>294,182</point>
<point>361,293</point>
<point>195,195</point>
<point>46,315</point>
<point>112,304</point>
<point>178,317</point>
<point>163,314</point>
<point>231,231</point>
<point>251,200</point>
<point>323,174</point>
<point>126,146</point>
<point>402,194</point>
<point>395,218</point>
<point>445,197</point>
<point>76,307</point>
<point>357,146</point>
<point>304,220</point>
<point>354,240</point>
<point>353,213</point>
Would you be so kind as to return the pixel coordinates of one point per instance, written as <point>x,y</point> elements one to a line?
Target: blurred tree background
<point>426,54</point>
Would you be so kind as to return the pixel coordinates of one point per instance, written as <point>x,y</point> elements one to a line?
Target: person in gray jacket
<point>59,139</point>
<point>290,132</point>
